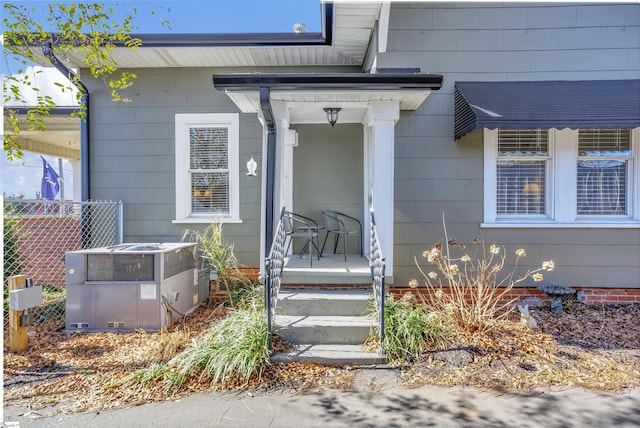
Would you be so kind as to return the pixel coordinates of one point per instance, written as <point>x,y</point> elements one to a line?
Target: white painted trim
<point>634,174</point>
<point>383,26</point>
<point>611,225</point>
<point>490,138</point>
<point>183,197</point>
<point>207,220</point>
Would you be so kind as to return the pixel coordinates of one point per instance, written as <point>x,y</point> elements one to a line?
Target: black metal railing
<point>273,266</point>
<point>377,265</point>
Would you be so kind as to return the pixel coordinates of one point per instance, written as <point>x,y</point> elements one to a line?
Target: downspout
<point>84,123</point>
<point>85,218</point>
<point>267,112</point>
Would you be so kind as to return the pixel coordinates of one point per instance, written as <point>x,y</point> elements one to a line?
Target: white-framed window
<point>207,168</point>
<point>564,178</point>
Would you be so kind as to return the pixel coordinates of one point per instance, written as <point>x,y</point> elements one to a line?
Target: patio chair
<point>299,226</point>
<point>341,225</point>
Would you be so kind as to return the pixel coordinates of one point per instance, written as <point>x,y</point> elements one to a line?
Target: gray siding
<point>328,172</point>
<point>133,155</point>
<point>436,176</point>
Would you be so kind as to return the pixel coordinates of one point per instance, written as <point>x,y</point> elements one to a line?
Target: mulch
<point>595,347</point>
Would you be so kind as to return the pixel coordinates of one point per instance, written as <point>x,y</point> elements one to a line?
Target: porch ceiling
<point>61,138</point>
<point>307,106</point>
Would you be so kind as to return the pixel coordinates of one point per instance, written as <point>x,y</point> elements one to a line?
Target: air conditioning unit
<point>131,286</point>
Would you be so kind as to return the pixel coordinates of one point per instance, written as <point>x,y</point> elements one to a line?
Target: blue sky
<point>211,16</point>
<point>187,16</point>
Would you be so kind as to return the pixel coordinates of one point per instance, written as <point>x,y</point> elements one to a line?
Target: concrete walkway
<point>378,406</point>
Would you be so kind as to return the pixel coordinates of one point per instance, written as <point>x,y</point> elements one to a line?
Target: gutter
<point>84,123</point>
<point>56,111</point>
<point>328,81</point>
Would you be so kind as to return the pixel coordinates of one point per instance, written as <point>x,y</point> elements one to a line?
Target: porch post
<point>290,142</point>
<point>283,189</point>
<point>382,117</point>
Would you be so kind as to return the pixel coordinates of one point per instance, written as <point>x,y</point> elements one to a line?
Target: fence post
<point>17,333</point>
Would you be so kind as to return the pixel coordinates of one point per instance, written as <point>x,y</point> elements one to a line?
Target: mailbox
<point>25,298</point>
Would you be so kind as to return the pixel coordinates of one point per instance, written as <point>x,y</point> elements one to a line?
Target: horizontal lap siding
<point>436,176</point>
<point>328,172</point>
<point>133,155</point>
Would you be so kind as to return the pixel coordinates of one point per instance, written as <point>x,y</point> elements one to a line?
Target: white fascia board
<point>383,26</point>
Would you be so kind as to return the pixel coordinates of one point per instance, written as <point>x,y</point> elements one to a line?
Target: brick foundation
<point>529,295</point>
<point>608,295</point>
<point>535,297</point>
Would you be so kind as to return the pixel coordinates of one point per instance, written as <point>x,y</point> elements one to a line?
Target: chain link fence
<point>38,233</point>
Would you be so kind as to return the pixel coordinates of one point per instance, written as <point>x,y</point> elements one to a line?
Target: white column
<point>283,183</point>
<point>381,119</point>
<point>75,167</point>
<point>284,159</point>
<point>290,142</point>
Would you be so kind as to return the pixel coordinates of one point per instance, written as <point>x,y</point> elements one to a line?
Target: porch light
<point>252,165</point>
<point>332,114</point>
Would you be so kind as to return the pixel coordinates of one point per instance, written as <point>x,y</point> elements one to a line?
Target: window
<point>603,165</point>
<point>563,177</point>
<point>207,186</point>
<point>522,172</point>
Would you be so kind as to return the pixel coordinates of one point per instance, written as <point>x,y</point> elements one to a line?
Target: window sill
<point>551,225</point>
<point>207,220</point>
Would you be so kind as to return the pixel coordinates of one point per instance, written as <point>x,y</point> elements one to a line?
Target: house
<point>496,116</point>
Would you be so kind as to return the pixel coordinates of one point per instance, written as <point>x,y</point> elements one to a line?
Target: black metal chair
<point>341,225</point>
<point>299,226</point>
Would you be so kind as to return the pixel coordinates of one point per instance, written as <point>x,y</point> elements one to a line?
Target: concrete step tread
<point>330,354</point>
<point>323,321</point>
<point>314,294</point>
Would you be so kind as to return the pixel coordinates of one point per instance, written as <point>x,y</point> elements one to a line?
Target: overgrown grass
<point>409,329</point>
<point>234,349</point>
<point>218,255</point>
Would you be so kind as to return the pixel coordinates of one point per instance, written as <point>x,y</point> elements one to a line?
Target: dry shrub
<point>168,344</point>
<point>472,291</point>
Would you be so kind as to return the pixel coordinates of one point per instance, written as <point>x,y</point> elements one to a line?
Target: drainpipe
<point>84,124</point>
<point>85,219</point>
<point>267,112</point>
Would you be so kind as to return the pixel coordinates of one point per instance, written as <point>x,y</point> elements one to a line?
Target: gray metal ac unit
<point>131,286</point>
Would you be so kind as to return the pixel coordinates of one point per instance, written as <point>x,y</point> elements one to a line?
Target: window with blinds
<point>604,156</point>
<point>521,176</point>
<point>209,169</point>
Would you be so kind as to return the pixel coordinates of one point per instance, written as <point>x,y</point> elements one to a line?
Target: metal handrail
<point>273,266</point>
<point>377,266</point>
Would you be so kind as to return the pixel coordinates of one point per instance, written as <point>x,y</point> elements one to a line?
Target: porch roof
<point>546,104</point>
<point>329,89</point>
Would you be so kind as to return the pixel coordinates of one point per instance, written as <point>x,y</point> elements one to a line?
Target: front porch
<point>330,270</point>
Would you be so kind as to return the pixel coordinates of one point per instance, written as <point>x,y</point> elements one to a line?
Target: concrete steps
<point>323,302</point>
<point>319,329</point>
<point>325,326</point>
<point>339,355</point>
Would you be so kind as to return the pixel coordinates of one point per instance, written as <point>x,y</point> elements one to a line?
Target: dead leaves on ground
<point>590,346</point>
<point>596,347</point>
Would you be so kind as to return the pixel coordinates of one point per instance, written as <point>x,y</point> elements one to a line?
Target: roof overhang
<point>309,93</point>
<point>62,135</point>
<point>344,39</point>
<point>546,104</point>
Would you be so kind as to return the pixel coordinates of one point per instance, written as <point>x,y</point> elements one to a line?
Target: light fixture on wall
<point>252,165</point>
<point>332,114</point>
